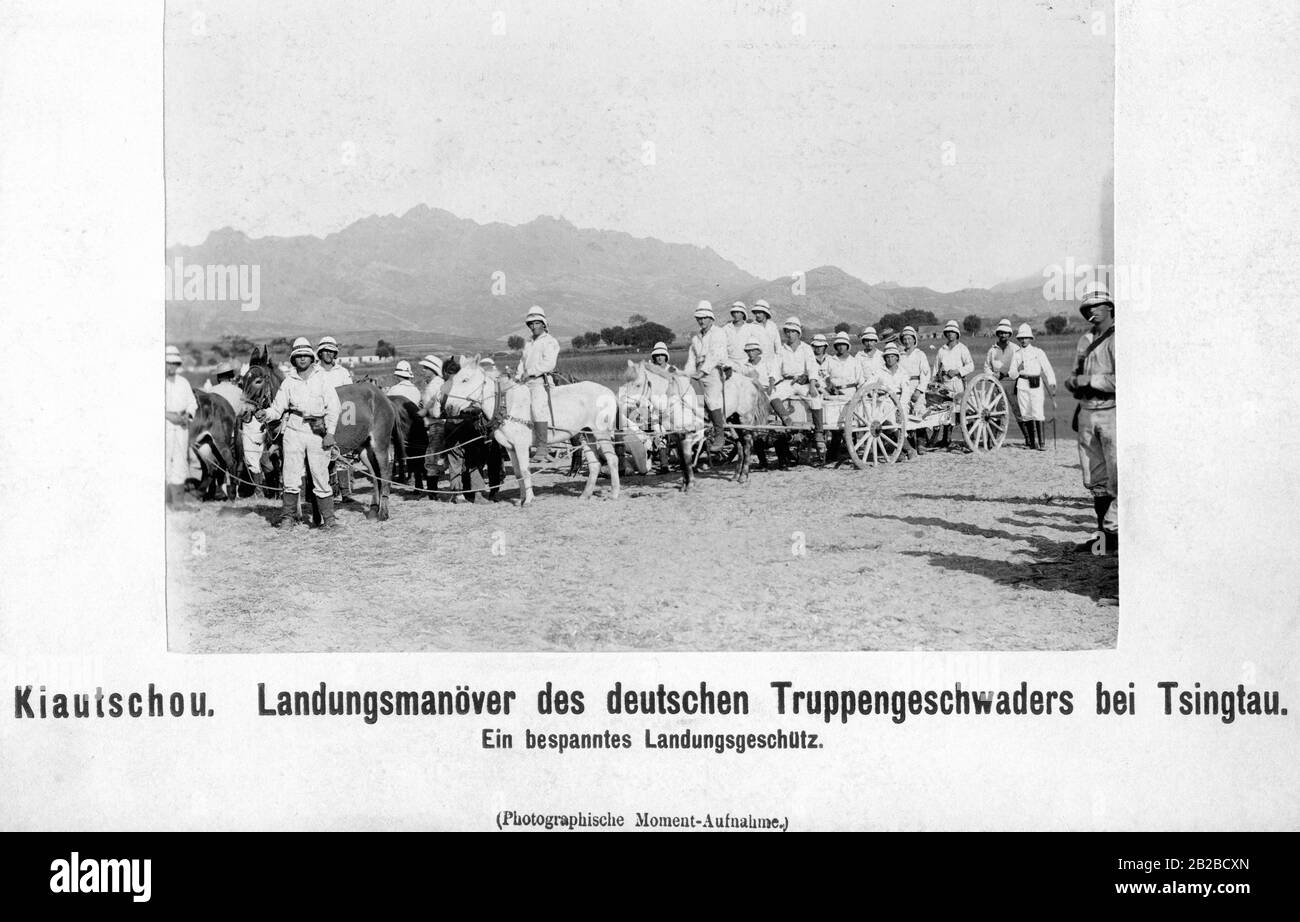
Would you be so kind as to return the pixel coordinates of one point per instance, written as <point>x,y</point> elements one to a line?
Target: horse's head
<point>635,373</point>
<point>470,388</point>
<point>261,381</point>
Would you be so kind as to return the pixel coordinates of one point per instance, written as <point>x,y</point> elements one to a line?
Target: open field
<point>949,552</point>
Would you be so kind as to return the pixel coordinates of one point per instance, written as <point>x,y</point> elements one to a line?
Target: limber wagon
<point>875,424</point>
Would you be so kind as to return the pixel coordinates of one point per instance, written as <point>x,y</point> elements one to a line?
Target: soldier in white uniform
<point>952,364</point>
<point>738,332</point>
<point>1032,374</point>
<point>311,405</point>
<point>705,362</point>
<point>536,366</point>
<point>896,379</point>
<point>797,370</point>
<point>845,372</point>
<point>821,353</point>
<point>998,360</point>
<point>870,360</point>
<point>227,389</point>
<point>404,387</point>
<point>1093,384</point>
<point>327,350</point>
<point>432,391</point>
<point>659,356</point>
<point>768,333</point>
<point>179,407</point>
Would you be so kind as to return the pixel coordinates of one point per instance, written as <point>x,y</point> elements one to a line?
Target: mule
<point>585,409</point>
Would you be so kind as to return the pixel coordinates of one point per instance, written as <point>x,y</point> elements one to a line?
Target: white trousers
<point>1030,400</point>
<point>785,389</point>
<point>538,404</point>
<point>1097,457</point>
<point>178,453</point>
<point>250,435</point>
<point>303,448</point>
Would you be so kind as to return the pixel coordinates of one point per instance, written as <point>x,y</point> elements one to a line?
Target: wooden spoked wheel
<point>872,424</point>
<point>984,414</point>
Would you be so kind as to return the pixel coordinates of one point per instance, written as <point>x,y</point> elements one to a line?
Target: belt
<point>535,377</point>
<point>915,378</point>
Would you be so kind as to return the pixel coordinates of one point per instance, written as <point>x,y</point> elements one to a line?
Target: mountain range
<point>428,270</point>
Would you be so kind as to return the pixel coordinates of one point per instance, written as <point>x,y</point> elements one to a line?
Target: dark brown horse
<point>411,444</point>
<point>366,428</point>
<point>214,439</point>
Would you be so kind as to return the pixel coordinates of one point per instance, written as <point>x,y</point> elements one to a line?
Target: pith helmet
<point>225,368</point>
<point>908,331</point>
<point>327,342</point>
<point>302,346</point>
<point>433,364</point>
<point>1025,332</point>
<point>842,339</point>
<point>704,309</point>
<point>536,313</point>
<point>738,307</point>
<point>891,349</point>
<point>761,305</point>
<point>1004,326</point>
<point>403,369</point>
<point>1096,294</point>
<point>753,344</point>
<point>659,349</point>
<point>174,356</point>
<point>820,340</point>
<point>792,323</point>
<point>951,327</point>
<point>869,333</point>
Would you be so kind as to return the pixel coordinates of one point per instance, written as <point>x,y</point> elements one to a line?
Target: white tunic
<point>336,375</point>
<point>404,389</point>
<point>539,358</point>
<point>707,352</point>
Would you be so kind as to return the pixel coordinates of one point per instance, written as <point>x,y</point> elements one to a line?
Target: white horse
<point>670,403</point>
<point>585,410</point>
<point>663,403</point>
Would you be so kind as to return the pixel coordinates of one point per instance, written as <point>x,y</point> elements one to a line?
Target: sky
<point>946,143</point>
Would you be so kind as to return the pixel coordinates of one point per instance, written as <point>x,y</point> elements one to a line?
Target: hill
<point>428,270</point>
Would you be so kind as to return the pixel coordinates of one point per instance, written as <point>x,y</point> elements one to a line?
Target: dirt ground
<point>947,552</point>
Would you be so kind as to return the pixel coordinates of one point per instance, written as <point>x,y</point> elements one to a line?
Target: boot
<point>541,435</point>
<point>779,408</point>
<point>289,511</point>
<point>1024,431</point>
<point>662,467</point>
<point>819,433</point>
<point>327,513</point>
<point>719,440</point>
<point>1038,436</point>
<point>1101,505</point>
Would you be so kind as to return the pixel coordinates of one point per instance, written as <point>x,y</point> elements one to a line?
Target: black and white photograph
<point>671,327</point>
<point>648,416</point>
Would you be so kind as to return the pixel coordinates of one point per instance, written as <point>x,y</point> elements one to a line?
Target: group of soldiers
<point>750,344</point>
<point>786,367</point>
